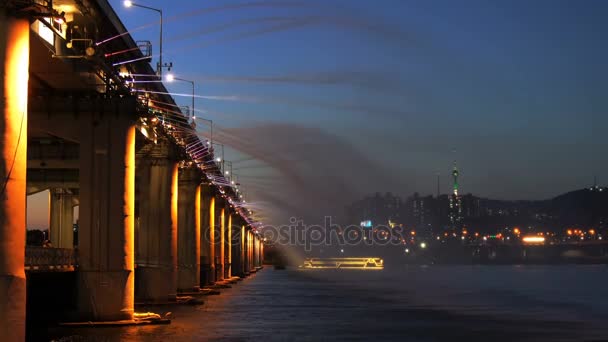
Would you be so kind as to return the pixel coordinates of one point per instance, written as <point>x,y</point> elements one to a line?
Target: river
<point>409,303</point>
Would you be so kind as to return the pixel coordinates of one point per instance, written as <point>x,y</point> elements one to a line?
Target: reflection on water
<point>480,303</point>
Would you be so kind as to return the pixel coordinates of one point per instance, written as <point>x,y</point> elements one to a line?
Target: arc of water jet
<point>237,98</point>
<point>206,11</point>
<point>228,26</point>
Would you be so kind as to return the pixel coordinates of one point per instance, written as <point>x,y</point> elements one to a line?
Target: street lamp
<point>171,78</point>
<point>220,160</point>
<point>226,172</point>
<point>160,65</point>
<point>210,129</point>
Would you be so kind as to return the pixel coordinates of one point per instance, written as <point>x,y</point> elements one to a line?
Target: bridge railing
<point>48,259</point>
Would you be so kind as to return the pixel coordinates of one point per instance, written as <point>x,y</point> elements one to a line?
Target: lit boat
<point>367,263</point>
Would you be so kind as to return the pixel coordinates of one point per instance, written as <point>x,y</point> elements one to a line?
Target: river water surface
<point>411,303</point>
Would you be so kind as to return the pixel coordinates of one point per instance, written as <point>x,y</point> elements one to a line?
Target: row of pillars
<point>185,235</point>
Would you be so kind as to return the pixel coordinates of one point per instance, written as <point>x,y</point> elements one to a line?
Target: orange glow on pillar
<point>174,218</point>
<point>14,44</point>
<point>129,219</point>
<point>229,245</point>
<point>250,236</point>
<point>212,232</point>
<point>197,229</point>
<point>14,143</point>
<point>129,199</point>
<point>261,253</point>
<point>222,239</point>
<point>242,248</point>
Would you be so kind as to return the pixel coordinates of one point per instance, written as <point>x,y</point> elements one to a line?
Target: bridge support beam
<point>242,251</point>
<point>252,250</point>
<point>229,243</point>
<point>207,235</point>
<point>245,250</point>
<point>156,256</point>
<point>261,253</point>
<point>189,230</point>
<point>249,251</point>
<point>14,59</point>
<point>61,218</point>
<point>107,204</point>
<point>256,251</point>
<point>220,240</point>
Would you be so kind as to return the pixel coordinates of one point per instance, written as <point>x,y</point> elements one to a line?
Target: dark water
<point>454,303</point>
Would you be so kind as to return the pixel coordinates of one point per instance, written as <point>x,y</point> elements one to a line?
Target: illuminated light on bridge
<point>533,239</point>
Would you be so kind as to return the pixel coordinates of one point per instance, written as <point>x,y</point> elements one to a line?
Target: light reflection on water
<point>480,303</point>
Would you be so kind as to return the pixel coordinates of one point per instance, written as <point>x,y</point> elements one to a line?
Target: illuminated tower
<point>455,200</point>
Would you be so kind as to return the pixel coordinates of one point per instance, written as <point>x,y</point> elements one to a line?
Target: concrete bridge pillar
<point>249,251</point>
<point>261,253</point>
<point>189,230</point>
<point>235,245</point>
<point>252,250</point>
<point>156,255</point>
<point>246,251</point>
<point>256,251</point>
<point>229,243</point>
<point>14,59</point>
<point>61,225</point>
<point>207,235</point>
<point>220,239</point>
<point>107,208</point>
<point>242,251</point>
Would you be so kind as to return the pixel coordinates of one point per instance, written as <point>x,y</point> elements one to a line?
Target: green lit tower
<point>455,200</point>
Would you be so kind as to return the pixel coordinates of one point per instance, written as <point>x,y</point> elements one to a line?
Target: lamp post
<point>228,173</point>
<point>171,78</point>
<point>210,129</point>
<point>160,65</point>
<point>220,160</point>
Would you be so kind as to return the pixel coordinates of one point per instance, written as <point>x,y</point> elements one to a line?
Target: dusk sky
<point>364,96</point>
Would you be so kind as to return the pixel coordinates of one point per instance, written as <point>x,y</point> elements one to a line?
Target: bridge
<point>157,214</point>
